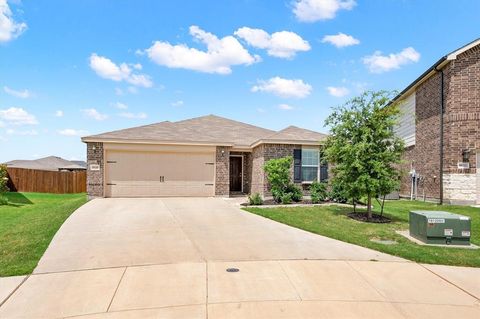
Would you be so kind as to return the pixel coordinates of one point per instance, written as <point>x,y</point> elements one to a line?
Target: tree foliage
<point>363,147</point>
<point>3,182</point>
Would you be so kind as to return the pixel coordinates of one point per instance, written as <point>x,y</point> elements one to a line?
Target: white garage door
<point>150,174</point>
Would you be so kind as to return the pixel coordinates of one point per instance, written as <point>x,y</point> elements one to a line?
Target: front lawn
<point>332,221</point>
<point>27,225</point>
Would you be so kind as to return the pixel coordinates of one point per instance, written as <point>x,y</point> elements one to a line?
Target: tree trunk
<point>369,207</point>
<point>383,204</point>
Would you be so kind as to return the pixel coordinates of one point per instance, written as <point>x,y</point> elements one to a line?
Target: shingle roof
<point>50,163</point>
<point>297,133</point>
<point>205,129</point>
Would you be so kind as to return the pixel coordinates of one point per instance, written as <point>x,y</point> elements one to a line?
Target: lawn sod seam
<point>27,226</point>
<point>332,221</point>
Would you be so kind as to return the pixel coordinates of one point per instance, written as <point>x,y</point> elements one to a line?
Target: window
<point>310,163</point>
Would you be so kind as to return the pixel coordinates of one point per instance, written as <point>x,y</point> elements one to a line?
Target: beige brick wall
<point>95,178</point>
<point>222,171</point>
<point>263,153</point>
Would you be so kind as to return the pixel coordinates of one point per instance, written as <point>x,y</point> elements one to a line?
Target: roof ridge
<point>224,119</point>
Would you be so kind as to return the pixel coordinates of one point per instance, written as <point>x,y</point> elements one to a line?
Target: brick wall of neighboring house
<point>222,171</point>
<point>461,131</point>
<point>95,178</point>
<point>462,126</point>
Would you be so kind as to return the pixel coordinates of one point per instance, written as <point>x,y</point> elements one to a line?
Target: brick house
<point>440,123</point>
<point>204,156</point>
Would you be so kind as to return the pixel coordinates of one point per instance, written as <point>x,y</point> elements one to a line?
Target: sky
<point>75,68</point>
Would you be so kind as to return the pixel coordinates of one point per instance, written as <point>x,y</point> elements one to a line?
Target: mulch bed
<point>272,202</point>
<point>376,219</point>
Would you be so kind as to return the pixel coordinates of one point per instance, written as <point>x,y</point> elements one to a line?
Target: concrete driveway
<point>167,258</point>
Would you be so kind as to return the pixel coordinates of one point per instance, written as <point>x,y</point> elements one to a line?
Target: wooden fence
<point>32,180</point>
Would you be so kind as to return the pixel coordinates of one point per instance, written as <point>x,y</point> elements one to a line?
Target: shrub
<point>295,191</point>
<point>318,192</point>
<point>255,199</point>
<point>278,173</point>
<point>287,198</point>
<point>338,193</point>
<point>3,184</point>
<point>277,195</point>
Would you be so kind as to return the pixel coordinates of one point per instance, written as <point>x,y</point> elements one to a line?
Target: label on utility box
<point>436,221</point>
<point>448,232</point>
<point>465,233</point>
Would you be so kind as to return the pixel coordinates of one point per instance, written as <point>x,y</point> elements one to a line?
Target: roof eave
<point>91,139</point>
<point>283,141</point>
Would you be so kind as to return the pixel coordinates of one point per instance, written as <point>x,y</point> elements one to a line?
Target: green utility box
<point>437,227</point>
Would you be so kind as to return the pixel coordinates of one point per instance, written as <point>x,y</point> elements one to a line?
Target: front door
<point>235,174</point>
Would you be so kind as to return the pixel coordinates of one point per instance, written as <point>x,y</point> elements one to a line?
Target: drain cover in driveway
<point>233,270</point>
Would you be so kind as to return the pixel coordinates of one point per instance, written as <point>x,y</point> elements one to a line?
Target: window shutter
<point>323,171</point>
<point>297,166</point>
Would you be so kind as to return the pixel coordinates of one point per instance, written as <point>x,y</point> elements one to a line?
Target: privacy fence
<point>32,180</point>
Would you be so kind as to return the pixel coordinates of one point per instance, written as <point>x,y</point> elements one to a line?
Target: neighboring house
<point>440,124</point>
<point>50,163</point>
<point>204,156</point>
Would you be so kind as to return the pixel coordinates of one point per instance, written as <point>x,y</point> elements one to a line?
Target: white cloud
<point>284,87</point>
<point>120,106</point>
<point>94,114</point>
<point>261,110</point>
<point>129,115</point>
<point>22,133</point>
<point>338,91</point>
<point>378,63</point>
<point>59,113</point>
<point>23,94</point>
<point>177,103</point>
<point>340,40</point>
<point>285,107</point>
<point>220,56</point>
<point>283,44</point>
<point>107,69</point>
<point>315,10</point>
<point>17,116</point>
<point>118,91</point>
<point>9,28</point>
<point>72,132</point>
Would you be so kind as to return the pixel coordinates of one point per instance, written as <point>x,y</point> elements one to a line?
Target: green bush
<point>255,199</point>
<point>338,193</point>
<point>287,198</point>
<point>295,191</point>
<point>277,195</point>
<point>3,184</point>
<point>318,192</point>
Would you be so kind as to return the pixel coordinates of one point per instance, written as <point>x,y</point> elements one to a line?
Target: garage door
<point>150,174</point>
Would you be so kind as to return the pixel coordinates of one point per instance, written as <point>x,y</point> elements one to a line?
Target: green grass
<point>332,221</point>
<point>27,225</point>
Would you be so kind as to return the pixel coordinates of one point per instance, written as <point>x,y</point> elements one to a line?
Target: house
<point>440,124</point>
<point>50,163</point>
<point>203,156</point>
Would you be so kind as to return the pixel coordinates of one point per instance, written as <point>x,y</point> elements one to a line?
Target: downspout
<point>442,109</point>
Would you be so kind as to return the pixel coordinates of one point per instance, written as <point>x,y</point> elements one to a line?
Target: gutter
<point>442,109</point>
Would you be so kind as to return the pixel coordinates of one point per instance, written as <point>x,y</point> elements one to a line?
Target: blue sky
<point>74,68</point>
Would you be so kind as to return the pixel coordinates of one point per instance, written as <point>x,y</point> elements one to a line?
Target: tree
<point>363,147</point>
